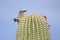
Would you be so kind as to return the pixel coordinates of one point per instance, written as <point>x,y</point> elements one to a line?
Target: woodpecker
<point>21,12</point>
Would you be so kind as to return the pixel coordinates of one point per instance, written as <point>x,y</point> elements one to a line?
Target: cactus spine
<point>33,27</point>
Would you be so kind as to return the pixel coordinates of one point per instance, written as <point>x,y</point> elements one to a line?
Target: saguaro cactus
<point>33,27</point>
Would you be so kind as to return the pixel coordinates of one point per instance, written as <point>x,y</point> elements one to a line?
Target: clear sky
<point>9,9</point>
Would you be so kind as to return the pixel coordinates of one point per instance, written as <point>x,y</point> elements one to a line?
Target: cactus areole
<point>32,27</point>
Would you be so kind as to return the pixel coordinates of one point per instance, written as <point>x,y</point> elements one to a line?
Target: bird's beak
<point>25,10</point>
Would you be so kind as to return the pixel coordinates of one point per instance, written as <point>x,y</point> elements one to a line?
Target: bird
<point>21,12</point>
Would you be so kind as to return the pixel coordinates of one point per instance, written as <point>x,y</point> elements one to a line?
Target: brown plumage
<point>21,12</point>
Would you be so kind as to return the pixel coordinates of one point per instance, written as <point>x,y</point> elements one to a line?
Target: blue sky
<point>9,9</point>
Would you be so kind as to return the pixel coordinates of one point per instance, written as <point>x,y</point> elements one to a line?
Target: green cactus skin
<point>33,27</point>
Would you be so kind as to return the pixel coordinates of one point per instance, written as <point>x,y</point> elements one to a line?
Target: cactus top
<point>33,27</point>
<point>34,15</point>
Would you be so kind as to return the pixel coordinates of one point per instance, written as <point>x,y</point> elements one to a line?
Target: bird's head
<point>22,11</point>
